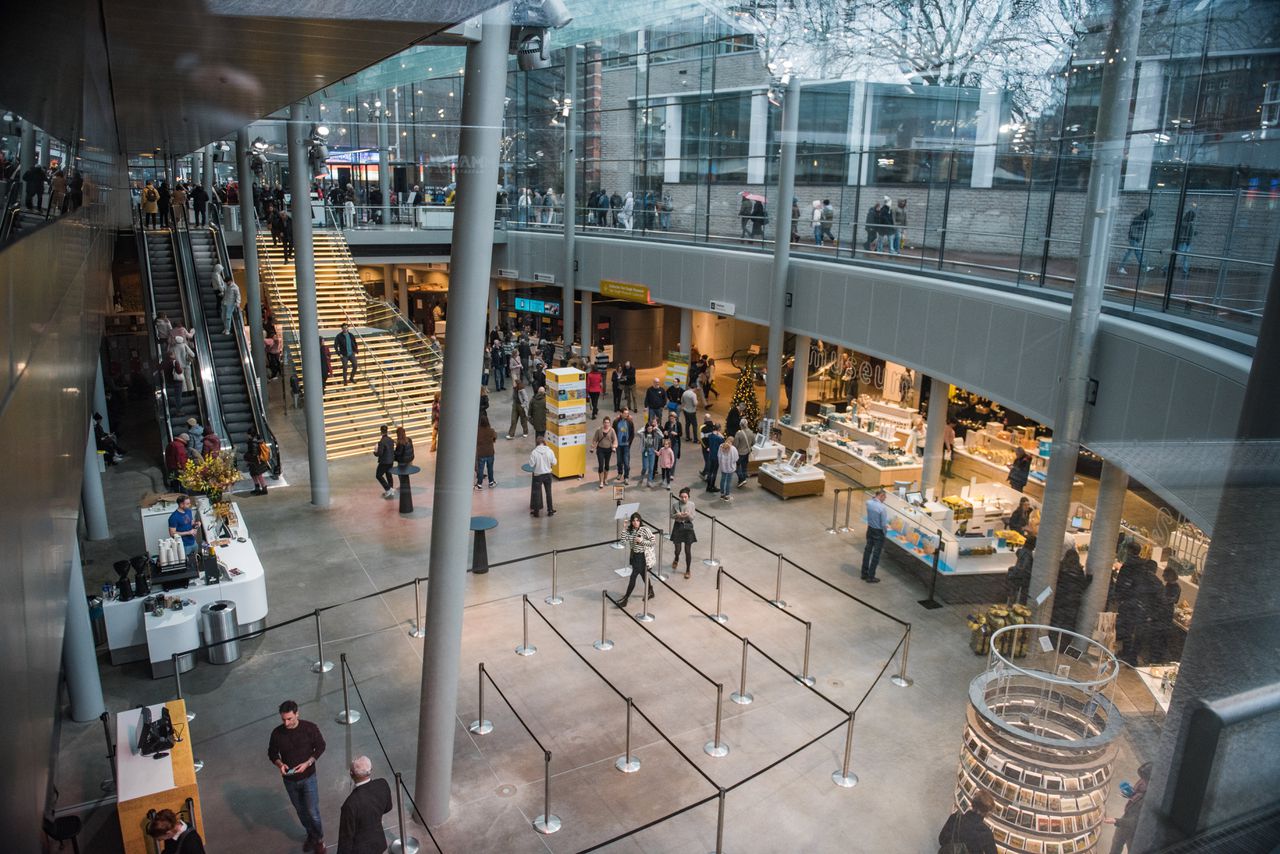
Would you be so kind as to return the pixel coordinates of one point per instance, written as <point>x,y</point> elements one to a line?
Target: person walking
<point>1186,233</point>
<point>294,747</point>
<point>1127,824</point>
<point>602,445</point>
<point>711,441</point>
<point>828,221</point>
<point>899,227</point>
<point>326,365</point>
<point>655,400</point>
<point>520,398</point>
<point>541,461</point>
<point>877,522</point>
<point>744,438</point>
<point>816,221</point>
<point>257,454</point>
<point>744,218</point>
<point>538,411</point>
<point>727,456</point>
<point>667,460</point>
<point>497,365</point>
<point>708,377</point>
<point>486,436</point>
<point>346,346</point>
<point>682,533</point>
<point>1020,469</point>
<point>178,838</point>
<point>625,430</point>
<point>671,430</point>
<point>595,385</point>
<point>966,830</point>
<point>360,822</point>
<point>615,385</point>
<point>514,365</point>
<point>230,305</point>
<point>650,440</point>
<point>689,409</point>
<point>639,541</point>
<point>628,379</point>
<point>1072,581</point>
<point>34,179</point>
<point>385,453</point>
<point>1137,236</point>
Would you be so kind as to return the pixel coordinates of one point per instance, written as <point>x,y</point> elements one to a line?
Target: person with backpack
<point>1137,236</point>
<point>150,204</point>
<point>257,454</point>
<point>966,832</point>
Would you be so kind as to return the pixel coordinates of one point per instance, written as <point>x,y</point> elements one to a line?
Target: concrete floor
<point>906,740</point>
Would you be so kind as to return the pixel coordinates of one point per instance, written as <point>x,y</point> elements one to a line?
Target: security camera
<point>547,14</point>
<point>533,48</point>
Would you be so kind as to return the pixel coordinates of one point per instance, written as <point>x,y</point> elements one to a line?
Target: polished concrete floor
<point>905,741</point>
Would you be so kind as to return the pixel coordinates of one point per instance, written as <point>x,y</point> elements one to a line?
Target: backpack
<point>172,369</point>
<point>263,452</point>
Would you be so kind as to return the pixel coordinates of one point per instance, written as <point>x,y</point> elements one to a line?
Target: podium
<point>146,783</point>
<point>567,421</point>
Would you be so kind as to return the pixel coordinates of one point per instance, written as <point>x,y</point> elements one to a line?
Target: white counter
<point>136,775</point>
<point>172,633</point>
<point>127,635</point>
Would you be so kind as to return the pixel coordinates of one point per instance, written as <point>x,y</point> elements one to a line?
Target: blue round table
<point>406,492</point>
<point>480,552</point>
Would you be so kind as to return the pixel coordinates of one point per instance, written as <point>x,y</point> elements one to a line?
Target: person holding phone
<point>294,748</point>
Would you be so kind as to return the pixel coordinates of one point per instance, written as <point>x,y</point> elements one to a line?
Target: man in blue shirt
<point>345,344</point>
<point>877,521</point>
<point>183,523</point>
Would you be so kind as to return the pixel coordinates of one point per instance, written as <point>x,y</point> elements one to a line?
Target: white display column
<point>570,197</point>
<point>935,428</point>
<point>686,331</point>
<point>79,656</point>
<point>588,332</point>
<point>100,397</point>
<point>782,245</point>
<point>1107,513</point>
<point>95,507</point>
<point>799,390</point>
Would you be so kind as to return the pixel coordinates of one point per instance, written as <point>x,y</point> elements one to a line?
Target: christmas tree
<point>744,395</point>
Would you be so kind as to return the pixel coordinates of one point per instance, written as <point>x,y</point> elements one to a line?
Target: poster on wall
<point>676,369</point>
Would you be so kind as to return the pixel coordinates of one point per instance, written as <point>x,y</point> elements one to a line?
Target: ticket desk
<point>146,783</point>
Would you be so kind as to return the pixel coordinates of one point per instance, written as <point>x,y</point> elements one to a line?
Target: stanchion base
<point>107,786</point>
<point>742,699</point>
<point>526,650</point>
<point>618,545</point>
<point>807,681</point>
<point>711,562</point>
<point>844,529</point>
<point>409,846</point>
<point>902,681</point>
<point>321,666</point>
<point>348,717</point>
<point>778,603</point>
<point>481,727</point>
<point>546,824</point>
<point>831,530</point>
<point>720,618</point>
<point>715,749</point>
<point>417,632</point>
<point>191,716</point>
<point>554,600</point>
<point>929,604</point>
<point>627,766</point>
<point>661,576</point>
<point>603,645</point>
<point>644,617</point>
<point>844,782</point>
<point>198,765</point>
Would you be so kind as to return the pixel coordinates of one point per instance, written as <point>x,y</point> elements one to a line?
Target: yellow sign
<point>625,291</point>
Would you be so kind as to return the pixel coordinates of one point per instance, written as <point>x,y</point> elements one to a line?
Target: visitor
<point>497,364</point>
<point>538,411</point>
<point>667,461</point>
<point>639,541</point>
<point>484,400</point>
<point>200,204</point>
<point>1072,581</point>
<point>899,227</point>
<point>258,455</point>
<point>294,747</point>
<point>1127,824</point>
<point>615,385</point>
<point>877,522</point>
<point>655,400</point>
<point>34,179</point>
<point>708,377</point>
<point>1020,469</point>
<point>360,821</point>
<point>346,346</point>
<point>602,445</point>
<point>682,533</point>
<point>404,449</point>
<point>671,430</point>
<point>689,408</point>
<point>1161,624</point>
<point>385,453</point>
<point>650,441</point>
<point>106,442</point>
<point>744,439</point>
<point>711,441</point>
<point>150,205</point>
<point>179,202</point>
<point>744,218</point>
<point>602,360</point>
<point>595,385</point>
<point>727,457</point>
<point>1137,236</point>
<point>967,831</point>
<point>541,462</point>
<point>175,458</point>
<point>184,524</point>
<point>230,306</point>
<point>195,438</point>
<point>182,353</point>
<point>673,394</point>
<point>624,427</point>
<point>520,398</point>
<point>178,838</point>
<point>1018,579</point>
<point>326,365</point>
<point>948,447</point>
<point>514,366</point>
<point>486,436</point>
<point>627,377</point>
<point>1020,518</point>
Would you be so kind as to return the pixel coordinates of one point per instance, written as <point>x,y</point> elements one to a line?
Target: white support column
<point>79,657</point>
<point>209,175</point>
<point>1107,512</point>
<point>782,244</point>
<point>493,307</point>
<point>799,391</point>
<point>1147,103</point>
<point>404,294</point>
<point>859,139</point>
<point>100,397</point>
<point>672,134</point>
<point>757,144</point>
<point>935,427</point>
<point>95,506</point>
<point>988,137</point>
<point>588,331</point>
<point>686,331</point>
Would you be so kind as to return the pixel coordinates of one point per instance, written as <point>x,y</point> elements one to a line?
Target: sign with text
<point>628,291</point>
<point>676,368</point>
<point>726,308</point>
<point>537,306</point>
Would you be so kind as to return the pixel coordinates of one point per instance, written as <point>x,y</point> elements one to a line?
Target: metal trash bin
<point>218,623</point>
<point>98,621</point>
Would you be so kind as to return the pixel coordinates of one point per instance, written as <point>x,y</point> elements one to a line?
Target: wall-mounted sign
<point>538,306</point>
<point>723,307</point>
<point>546,278</point>
<point>628,291</point>
<point>508,274</point>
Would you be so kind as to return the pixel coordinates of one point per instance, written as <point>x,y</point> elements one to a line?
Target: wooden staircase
<point>399,370</point>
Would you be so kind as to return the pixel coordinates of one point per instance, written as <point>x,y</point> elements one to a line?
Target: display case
<point>567,421</point>
<point>787,481</point>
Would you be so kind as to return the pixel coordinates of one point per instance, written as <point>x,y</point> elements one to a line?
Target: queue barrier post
<point>617,527</point>
<point>644,616</point>
<point>628,763</point>
<point>662,576</point>
<point>404,844</point>
<point>348,715</point>
<point>711,559</point>
<point>525,648</point>
<point>842,776</point>
<point>177,683</point>
<point>320,665</point>
<point>804,678</point>
<point>554,598</point>
<point>719,616</point>
<point>777,601</point>
<point>835,506</point>
<point>848,508</point>
<point>741,697</point>
<point>604,644</point>
<point>720,824</point>
<point>901,679</point>
<point>546,824</point>
<point>715,747</point>
<point>418,630</point>
<point>108,786</point>
<point>481,726</point>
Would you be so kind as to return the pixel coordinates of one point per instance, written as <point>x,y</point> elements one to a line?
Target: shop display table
<point>480,551</point>
<point>146,783</point>
<point>1153,677</point>
<point>244,583</point>
<point>787,482</point>
<point>406,491</point>
<point>172,633</point>
<point>768,452</point>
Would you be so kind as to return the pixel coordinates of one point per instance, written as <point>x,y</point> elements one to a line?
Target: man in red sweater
<point>294,748</point>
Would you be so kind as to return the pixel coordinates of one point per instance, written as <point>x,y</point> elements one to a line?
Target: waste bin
<point>218,623</point>
<point>98,620</point>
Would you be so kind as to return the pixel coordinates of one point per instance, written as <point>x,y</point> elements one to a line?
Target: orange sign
<point>625,291</point>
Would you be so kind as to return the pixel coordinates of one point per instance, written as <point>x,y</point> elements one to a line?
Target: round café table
<point>480,552</point>
<point>406,492</point>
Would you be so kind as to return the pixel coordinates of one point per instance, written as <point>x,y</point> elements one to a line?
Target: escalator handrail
<point>158,351</point>
<point>256,403</point>
<point>193,307</point>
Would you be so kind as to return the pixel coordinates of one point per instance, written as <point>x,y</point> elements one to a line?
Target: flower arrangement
<point>213,474</point>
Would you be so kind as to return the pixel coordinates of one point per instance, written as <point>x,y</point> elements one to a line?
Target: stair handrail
<point>189,290</point>
<point>257,404</point>
<point>158,351</point>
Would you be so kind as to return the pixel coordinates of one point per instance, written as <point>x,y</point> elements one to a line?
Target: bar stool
<point>62,829</point>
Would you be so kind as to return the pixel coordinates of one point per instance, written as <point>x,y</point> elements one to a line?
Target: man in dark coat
<point>360,826</point>
<point>1072,582</point>
<point>967,828</point>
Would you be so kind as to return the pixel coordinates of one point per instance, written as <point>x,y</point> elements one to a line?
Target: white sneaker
<point>390,493</point>
<point>510,437</point>
<point>1122,271</point>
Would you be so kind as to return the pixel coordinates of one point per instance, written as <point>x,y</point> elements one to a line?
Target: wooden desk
<point>147,784</point>
<point>791,487</point>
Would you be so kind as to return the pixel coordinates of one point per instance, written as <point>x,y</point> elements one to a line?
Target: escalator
<point>160,272</point>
